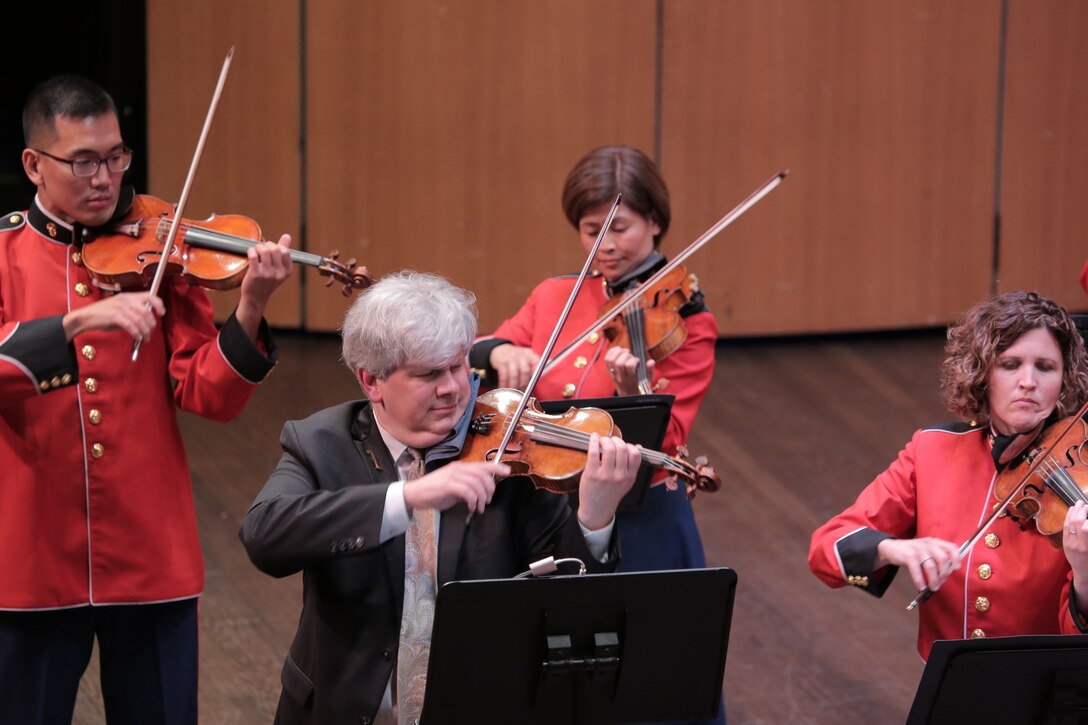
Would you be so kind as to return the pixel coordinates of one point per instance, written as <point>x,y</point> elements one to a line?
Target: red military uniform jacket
<point>1012,582</point>
<point>95,498</point>
<point>582,373</point>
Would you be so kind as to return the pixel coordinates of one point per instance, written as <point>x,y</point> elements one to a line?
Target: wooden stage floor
<point>794,427</point>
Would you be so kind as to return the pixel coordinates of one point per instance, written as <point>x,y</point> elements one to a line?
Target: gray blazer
<point>321,511</point>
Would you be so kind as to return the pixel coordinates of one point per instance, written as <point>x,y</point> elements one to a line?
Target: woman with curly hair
<point>1014,365</point>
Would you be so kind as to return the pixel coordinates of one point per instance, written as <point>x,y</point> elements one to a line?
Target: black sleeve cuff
<point>1078,618</point>
<point>243,354</point>
<point>40,348</point>
<point>479,359</point>
<point>857,552</point>
<point>575,540</point>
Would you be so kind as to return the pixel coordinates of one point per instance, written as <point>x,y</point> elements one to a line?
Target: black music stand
<point>1038,679</point>
<point>602,648</point>
<point>642,419</point>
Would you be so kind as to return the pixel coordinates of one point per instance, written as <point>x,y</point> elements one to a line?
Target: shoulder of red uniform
<point>563,283</point>
<point>953,427</point>
<point>14,220</point>
<point>574,275</point>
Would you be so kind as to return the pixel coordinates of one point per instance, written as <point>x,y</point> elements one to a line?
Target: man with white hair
<point>338,504</point>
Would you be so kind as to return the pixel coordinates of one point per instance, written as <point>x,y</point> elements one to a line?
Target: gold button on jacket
<point>88,352</point>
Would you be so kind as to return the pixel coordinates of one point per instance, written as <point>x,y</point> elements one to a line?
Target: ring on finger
<point>923,561</point>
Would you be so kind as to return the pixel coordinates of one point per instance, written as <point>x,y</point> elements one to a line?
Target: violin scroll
<point>346,273</point>
<point>698,477</point>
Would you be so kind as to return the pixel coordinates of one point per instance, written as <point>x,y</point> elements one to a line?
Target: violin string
<point>561,435</point>
<point>242,243</point>
<point>1052,480</point>
<point>1055,480</point>
<point>635,329</point>
<point>1062,483</point>
<point>233,244</point>
<point>546,432</point>
<point>636,336</point>
<point>634,320</point>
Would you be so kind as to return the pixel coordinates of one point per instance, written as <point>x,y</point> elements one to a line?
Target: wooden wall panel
<point>440,133</point>
<point>251,162</point>
<point>1044,240</point>
<point>885,115</point>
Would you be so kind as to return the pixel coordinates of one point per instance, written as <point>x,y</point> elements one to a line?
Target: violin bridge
<point>129,230</point>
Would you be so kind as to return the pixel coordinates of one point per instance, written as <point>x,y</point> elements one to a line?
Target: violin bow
<point>160,271</point>
<point>632,296</point>
<point>540,366</point>
<point>926,593</point>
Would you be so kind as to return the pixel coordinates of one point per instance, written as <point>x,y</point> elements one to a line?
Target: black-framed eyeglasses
<point>116,163</point>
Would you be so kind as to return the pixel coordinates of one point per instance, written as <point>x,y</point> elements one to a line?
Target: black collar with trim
<point>61,232</point>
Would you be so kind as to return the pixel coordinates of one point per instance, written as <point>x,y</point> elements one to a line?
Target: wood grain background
<point>934,147</point>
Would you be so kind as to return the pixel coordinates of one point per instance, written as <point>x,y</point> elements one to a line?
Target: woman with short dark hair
<point>661,534</point>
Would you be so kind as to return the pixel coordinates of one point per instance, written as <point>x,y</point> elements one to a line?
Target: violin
<point>652,327</point>
<point>1049,478</point>
<point>124,255</point>
<point>550,449</point>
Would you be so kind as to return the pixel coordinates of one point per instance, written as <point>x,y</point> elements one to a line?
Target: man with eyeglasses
<point>98,534</point>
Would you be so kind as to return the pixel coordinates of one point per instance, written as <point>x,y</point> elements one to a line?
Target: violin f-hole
<point>493,453</point>
<point>1036,489</point>
<point>143,256</point>
<point>1075,458</point>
